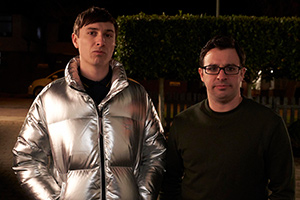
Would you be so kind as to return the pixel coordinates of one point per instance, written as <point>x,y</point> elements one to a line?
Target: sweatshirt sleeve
<point>32,156</point>
<point>280,165</point>
<point>171,189</point>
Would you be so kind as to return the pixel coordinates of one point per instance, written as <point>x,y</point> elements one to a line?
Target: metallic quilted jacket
<point>69,148</point>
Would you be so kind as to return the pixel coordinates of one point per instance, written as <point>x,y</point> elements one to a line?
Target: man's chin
<point>101,61</point>
<point>224,97</point>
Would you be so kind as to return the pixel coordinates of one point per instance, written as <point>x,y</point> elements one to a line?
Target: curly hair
<point>222,42</point>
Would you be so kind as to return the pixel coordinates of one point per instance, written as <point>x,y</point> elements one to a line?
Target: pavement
<point>12,114</point>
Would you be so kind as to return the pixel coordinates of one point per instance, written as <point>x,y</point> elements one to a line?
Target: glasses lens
<point>212,69</point>
<point>231,70</point>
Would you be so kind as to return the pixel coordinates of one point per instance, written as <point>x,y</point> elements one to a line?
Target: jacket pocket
<point>82,184</point>
<point>123,185</point>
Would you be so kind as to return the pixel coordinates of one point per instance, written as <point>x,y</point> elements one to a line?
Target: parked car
<point>37,85</point>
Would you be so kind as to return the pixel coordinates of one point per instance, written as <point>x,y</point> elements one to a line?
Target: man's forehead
<point>100,26</point>
<point>217,56</point>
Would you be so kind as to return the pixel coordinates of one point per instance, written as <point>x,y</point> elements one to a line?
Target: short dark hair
<point>222,42</point>
<point>93,15</point>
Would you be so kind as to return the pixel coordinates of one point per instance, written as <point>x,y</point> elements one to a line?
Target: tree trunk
<point>249,91</point>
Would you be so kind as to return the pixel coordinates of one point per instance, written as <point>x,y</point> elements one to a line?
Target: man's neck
<point>224,106</point>
<point>94,73</point>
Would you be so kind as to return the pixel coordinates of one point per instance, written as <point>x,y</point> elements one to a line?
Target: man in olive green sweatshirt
<point>228,147</point>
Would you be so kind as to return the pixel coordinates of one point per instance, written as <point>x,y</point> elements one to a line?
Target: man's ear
<point>243,72</point>
<point>75,40</point>
<point>200,71</point>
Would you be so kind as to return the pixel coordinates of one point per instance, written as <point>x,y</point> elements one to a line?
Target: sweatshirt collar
<point>212,113</point>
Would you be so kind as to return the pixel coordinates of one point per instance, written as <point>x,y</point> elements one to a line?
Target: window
<point>5,26</point>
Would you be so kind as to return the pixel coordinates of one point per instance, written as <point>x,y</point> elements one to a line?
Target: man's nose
<point>100,41</point>
<point>222,75</point>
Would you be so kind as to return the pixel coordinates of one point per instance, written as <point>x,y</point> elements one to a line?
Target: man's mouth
<point>222,86</point>
<point>100,52</point>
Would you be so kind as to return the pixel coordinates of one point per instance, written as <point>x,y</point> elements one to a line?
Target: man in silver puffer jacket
<point>74,146</point>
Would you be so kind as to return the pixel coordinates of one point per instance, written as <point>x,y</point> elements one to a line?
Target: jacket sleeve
<point>280,165</point>
<point>32,156</point>
<point>171,188</point>
<point>153,155</point>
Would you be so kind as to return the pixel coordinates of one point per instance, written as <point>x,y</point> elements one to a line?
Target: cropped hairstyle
<point>222,42</point>
<point>93,15</point>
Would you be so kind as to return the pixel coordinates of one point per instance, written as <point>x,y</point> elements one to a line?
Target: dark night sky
<point>61,9</point>
<point>65,11</point>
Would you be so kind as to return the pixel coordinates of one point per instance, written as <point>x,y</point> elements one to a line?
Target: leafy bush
<point>152,46</point>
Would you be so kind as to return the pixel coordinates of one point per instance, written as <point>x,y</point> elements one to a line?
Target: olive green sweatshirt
<point>236,155</point>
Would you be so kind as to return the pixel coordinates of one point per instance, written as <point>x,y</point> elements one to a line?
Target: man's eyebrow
<point>109,30</point>
<point>91,28</point>
<point>96,29</point>
<point>216,65</point>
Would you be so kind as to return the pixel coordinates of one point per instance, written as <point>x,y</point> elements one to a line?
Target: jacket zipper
<point>102,160</point>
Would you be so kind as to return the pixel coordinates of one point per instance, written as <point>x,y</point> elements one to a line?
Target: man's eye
<point>93,33</point>
<point>231,68</point>
<point>213,69</point>
<point>108,35</point>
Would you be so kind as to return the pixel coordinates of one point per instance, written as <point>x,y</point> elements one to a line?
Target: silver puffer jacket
<point>69,148</point>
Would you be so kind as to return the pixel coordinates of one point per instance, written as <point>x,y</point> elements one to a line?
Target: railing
<point>176,103</point>
<point>288,109</point>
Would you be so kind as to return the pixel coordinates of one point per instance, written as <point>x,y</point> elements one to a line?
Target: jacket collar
<point>119,78</point>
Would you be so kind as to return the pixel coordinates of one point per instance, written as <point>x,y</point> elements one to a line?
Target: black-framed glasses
<point>228,69</point>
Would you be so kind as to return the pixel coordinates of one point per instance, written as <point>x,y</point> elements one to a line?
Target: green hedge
<point>152,46</point>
